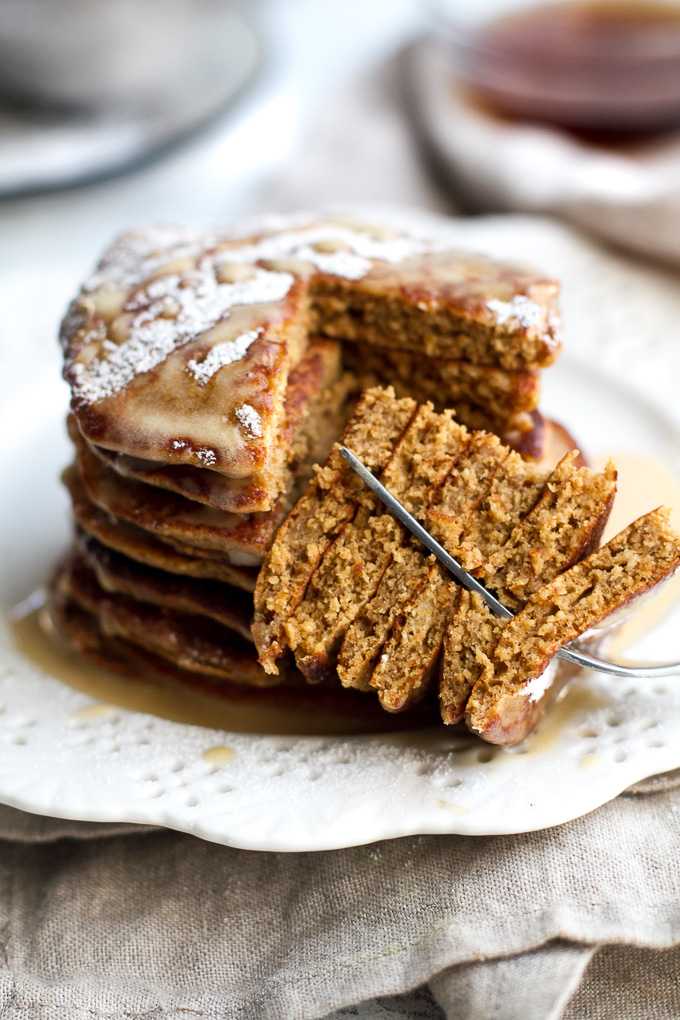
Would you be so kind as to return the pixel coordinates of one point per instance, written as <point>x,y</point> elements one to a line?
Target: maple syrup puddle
<point>35,639</point>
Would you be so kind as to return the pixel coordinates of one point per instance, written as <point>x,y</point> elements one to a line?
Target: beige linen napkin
<point>97,923</point>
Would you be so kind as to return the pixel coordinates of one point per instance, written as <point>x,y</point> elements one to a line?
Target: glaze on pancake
<point>179,348</point>
<point>313,419</point>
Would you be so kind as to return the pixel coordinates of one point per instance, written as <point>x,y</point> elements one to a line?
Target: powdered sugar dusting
<point>189,299</point>
<point>221,355</point>
<point>521,309</point>
<point>208,457</point>
<point>170,316</point>
<point>139,253</point>
<point>250,420</point>
<point>357,249</point>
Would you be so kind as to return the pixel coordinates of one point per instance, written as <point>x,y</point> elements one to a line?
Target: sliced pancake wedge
<point>516,683</point>
<point>350,572</point>
<point>403,671</point>
<point>329,503</point>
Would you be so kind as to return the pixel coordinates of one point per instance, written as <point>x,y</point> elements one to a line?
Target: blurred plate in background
<point>132,85</point>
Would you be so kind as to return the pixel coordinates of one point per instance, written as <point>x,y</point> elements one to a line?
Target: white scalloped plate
<point>59,756</point>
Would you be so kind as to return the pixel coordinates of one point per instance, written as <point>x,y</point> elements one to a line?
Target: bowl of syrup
<point>602,69</point>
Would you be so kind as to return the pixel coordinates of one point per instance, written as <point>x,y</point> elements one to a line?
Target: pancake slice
<point>408,661</point>
<point>565,525</point>
<point>469,640</point>
<point>353,566</point>
<point>367,633</point>
<point>516,682</point>
<point>402,673</point>
<point>330,502</point>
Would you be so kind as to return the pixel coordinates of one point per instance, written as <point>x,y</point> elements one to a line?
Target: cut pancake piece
<point>515,489</point>
<point>119,575</point>
<point>564,526</point>
<point>519,506</point>
<point>191,642</point>
<point>469,640</point>
<point>143,547</point>
<point>241,539</point>
<point>503,394</point>
<point>398,676</point>
<point>408,661</point>
<point>464,489</point>
<point>510,693</point>
<point>331,500</point>
<point>350,572</point>
<point>315,410</point>
<point>366,635</point>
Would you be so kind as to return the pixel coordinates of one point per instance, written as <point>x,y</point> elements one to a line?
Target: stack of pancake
<point>211,370</point>
<point>165,560</point>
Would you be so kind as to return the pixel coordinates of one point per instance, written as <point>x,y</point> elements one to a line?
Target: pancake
<point>142,547</point>
<point>118,575</point>
<point>240,539</point>
<point>315,412</point>
<point>179,348</point>
<point>189,641</point>
<point>513,688</point>
<point>504,396</point>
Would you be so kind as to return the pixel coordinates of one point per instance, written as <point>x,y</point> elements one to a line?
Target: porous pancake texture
<point>376,609</point>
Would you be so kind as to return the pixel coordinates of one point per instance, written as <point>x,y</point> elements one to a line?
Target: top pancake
<point>179,348</point>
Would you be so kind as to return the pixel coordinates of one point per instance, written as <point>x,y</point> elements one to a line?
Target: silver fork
<point>568,651</point>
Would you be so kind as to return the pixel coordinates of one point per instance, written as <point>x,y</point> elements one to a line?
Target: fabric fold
<point>531,986</point>
<point>160,921</point>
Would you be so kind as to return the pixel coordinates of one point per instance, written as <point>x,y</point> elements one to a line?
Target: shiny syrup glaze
<point>36,641</point>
